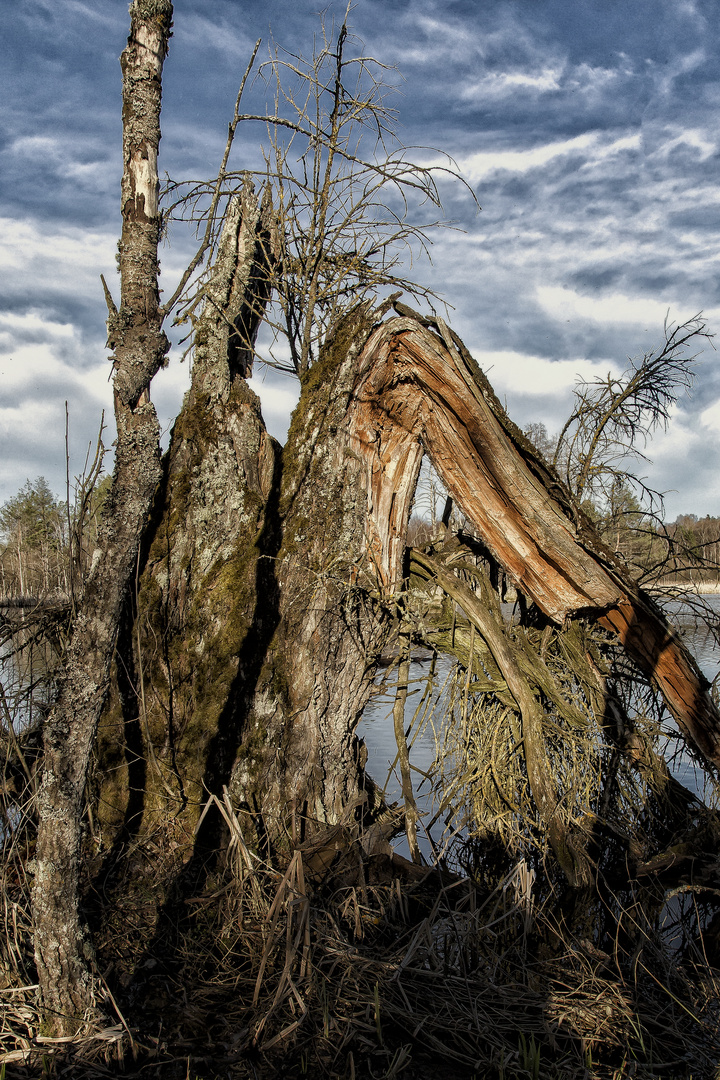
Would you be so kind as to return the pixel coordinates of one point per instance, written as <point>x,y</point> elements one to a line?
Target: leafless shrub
<point>348,196</point>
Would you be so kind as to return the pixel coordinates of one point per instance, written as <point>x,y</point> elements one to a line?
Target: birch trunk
<point>61,951</point>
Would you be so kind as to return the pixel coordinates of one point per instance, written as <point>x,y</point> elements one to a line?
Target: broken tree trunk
<point>423,383</point>
<point>300,762</point>
<point>259,635</point>
<point>261,610</point>
<point>204,605</point>
<point>139,346</point>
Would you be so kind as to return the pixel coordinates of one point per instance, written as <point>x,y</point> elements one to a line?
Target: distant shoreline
<point>700,588</point>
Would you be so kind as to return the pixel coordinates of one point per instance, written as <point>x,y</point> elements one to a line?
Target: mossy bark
<point>202,604</point>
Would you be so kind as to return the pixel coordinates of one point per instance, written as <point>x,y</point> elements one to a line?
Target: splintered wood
<point>419,390</point>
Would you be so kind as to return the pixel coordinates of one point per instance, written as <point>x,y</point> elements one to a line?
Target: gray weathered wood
<point>139,345</point>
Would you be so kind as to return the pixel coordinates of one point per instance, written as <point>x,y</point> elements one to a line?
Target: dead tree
<point>261,639</point>
<point>139,347</point>
<point>264,583</point>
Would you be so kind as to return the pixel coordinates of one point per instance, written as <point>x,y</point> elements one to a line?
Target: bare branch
<point>346,198</point>
<point>615,416</point>
<point>212,212</point>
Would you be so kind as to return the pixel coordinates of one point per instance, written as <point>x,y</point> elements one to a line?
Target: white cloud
<point>682,466</point>
<point>67,258</point>
<point>86,163</point>
<point>596,147</point>
<point>32,323</point>
<point>84,11</point>
<point>601,152</point>
<point>209,33</point>
<point>31,146</point>
<point>90,11</point>
<point>479,165</point>
<point>278,403</point>
<point>682,64</point>
<point>698,139</point>
<point>520,373</point>
<point>564,304</point>
<point>36,371</point>
<point>594,82</point>
<point>710,417</point>
<point>496,85</point>
<point>35,383</point>
<point>17,421</point>
<point>167,392</point>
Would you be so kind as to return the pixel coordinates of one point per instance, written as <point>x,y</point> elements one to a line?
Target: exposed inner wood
<point>420,387</point>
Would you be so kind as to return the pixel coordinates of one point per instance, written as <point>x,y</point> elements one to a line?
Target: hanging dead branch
<point>347,195</point>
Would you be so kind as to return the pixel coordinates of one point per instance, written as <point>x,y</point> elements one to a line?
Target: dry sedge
<point>271,974</point>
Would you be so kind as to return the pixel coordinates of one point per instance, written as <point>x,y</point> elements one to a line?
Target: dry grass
<point>277,971</point>
<point>332,963</point>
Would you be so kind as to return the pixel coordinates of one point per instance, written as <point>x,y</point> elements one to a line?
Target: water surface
<point>376,726</point>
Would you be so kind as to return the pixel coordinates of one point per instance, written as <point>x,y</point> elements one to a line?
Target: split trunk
<point>271,579</point>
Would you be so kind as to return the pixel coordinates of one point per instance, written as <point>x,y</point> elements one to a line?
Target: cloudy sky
<point>587,128</point>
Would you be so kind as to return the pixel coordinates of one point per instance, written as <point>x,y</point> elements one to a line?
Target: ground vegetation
<point>198,871</point>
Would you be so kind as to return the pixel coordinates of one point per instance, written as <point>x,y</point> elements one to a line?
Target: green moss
<point>111,770</point>
<point>279,684</point>
<point>191,629</point>
<point>196,424</point>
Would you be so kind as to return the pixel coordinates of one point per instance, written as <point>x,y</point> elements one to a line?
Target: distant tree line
<point>696,548</point>
<point>35,541</point>
<point>45,547</point>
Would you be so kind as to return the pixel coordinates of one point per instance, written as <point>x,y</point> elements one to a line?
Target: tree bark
<point>204,608</point>
<point>417,376</point>
<point>135,334</point>
<point>300,763</point>
<point>273,649</point>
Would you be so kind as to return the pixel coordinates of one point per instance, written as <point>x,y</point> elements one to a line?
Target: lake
<point>376,726</point>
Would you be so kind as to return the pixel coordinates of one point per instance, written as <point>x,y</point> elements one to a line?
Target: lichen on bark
<point>196,597</point>
<point>139,344</point>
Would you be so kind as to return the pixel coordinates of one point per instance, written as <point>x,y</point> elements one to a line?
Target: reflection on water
<point>702,644</point>
<point>376,726</point>
<point>425,711</point>
<point>26,681</point>
<point>698,638</point>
